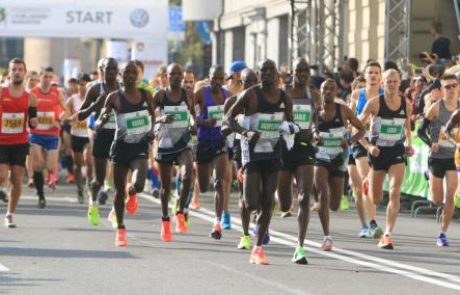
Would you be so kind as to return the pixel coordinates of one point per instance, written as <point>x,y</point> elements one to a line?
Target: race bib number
<point>391,129</point>
<point>331,143</point>
<point>217,113</point>
<point>181,116</point>
<point>12,123</point>
<point>45,120</point>
<point>302,115</point>
<point>268,125</point>
<point>80,125</point>
<point>138,123</point>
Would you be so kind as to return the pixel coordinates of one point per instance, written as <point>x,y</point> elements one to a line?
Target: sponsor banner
<point>153,53</point>
<point>96,19</point>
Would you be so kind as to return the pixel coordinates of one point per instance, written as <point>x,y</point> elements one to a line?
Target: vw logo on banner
<point>139,18</point>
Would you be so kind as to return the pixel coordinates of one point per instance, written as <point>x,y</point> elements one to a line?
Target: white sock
<point>387,233</point>
<point>327,238</point>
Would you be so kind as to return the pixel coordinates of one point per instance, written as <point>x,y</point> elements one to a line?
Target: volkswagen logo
<point>139,18</point>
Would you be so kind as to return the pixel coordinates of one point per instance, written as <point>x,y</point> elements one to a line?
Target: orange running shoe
<point>70,178</point>
<point>386,242</point>
<point>258,256</point>
<point>166,235</point>
<point>120,239</point>
<point>181,225</point>
<point>195,204</point>
<point>131,204</point>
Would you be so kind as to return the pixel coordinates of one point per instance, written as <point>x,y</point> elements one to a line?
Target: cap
<point>236,66</point>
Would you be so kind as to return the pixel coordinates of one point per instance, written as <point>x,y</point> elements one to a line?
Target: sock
<point>387,233</point>
<point>327,238</point>
<point>165,218</point>
<point>39,181</point>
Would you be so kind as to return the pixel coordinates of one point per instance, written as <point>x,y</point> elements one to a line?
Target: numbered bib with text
<point>391,129</point>
<point>45,120</point>
<point>12,123</point>
<point>217,113</point>
<point>181,116</point>
<point>302,115</point>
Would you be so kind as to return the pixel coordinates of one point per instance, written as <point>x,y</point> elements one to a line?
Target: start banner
<point>141,19</point>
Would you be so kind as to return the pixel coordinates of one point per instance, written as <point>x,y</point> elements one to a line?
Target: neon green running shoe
<point>344,203</point>
<point>245,243</point>
<point>299,256</point>
<point>93,215</point>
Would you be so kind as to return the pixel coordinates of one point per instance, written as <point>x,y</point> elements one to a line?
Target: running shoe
<point>286,214</point>
<point>156,193</point>
<point>102,196</point>
<point>299,256</point>
<point>112,218</point>
<point>195,203</point>
<point>120,239</point>
<point>226,220</point>
<point>166,235</point>
<point>3,195</point>
<point>81,196</point>
<point>442,240</point>
<point>216,231</point>
<point>245,243</point>
<point>9,221</point>
<point>327,244</point>
<point>258,256</point>
<point>344,203</point>
<point>93,215</point>
<point>41,203</point>
<point>70,178</point>
<point>181,225</point>
<point>131,204</point>
<point>52,181</point>
<point>31,183</point>
<point>266,239</point>
<point>364,232</point>
<point>375,231</point>
<point>386,242</point>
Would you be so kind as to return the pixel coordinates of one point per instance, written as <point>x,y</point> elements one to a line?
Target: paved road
<point>56,251</point>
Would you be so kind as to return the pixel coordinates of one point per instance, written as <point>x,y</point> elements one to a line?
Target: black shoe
<point>81,196</point>
<point>3,196</point>
<point>102,197</point>
<point>42,203</point>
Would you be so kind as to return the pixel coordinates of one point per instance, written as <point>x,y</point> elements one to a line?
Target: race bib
<point>45,120</point>
<point>12,123</point>
<point>302,115</point>
<point>268,125</point>
<point>181,116</point>
<point>217,113</point>
<point>391,129</point>
<point>80,125</point>
<point>331,143</point>
<point>138,123</point>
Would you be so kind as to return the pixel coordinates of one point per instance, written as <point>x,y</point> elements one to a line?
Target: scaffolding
<point>397,29</point>
<point>317,31</point>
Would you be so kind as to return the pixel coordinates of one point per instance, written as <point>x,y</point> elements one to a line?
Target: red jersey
<point>13,118</point>
<point>48,110</point>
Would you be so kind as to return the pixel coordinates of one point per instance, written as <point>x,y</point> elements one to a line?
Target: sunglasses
<point>450,86</point>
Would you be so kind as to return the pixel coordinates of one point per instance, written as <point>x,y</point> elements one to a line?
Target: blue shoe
<point>442,240</point>
<point>364,232</point>
<point>226,223</point>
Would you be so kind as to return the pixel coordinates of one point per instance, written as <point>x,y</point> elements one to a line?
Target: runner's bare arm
<point>110,104</point>
<point>357,124</point>
<point>200,103</point>
<point>408,130</point>
<point>452,123</point>
<point>288,109</point>
<point>88,106</point>
<point>370,109</point>
<point>65,111</point>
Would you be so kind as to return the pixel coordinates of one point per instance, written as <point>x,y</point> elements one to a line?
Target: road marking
<point>416,273</point>
<point>3,268</point>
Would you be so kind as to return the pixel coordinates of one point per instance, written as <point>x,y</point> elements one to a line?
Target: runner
<point>80,138</point>
<point>332,153</point>
<point>262,106</point>
<point>359,98</point>
<point>134,115</point>
<point>389,146</point>
<point>94,101</point>
<point>173,147</point>
<point>44,139</point>
<point>17,110</point>
<point>211,150</point>
<point>248,79</point>
<point>442,151</point>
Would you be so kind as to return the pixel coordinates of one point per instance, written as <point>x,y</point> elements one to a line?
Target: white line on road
<point>416,273</point>
<point>3,268</point>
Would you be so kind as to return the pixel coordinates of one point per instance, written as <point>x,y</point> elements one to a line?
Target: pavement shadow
<point>12,283</point>
<point>64,253</point>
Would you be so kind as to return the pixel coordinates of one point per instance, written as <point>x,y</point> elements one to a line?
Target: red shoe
<point>52,180</point>
<point>131,204</point>
<point>70,178</point>
<point>386,243</point>
<point>166,235</point>
<point>258,256</point>
<point>181,225</point>
<point>120,239</point>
